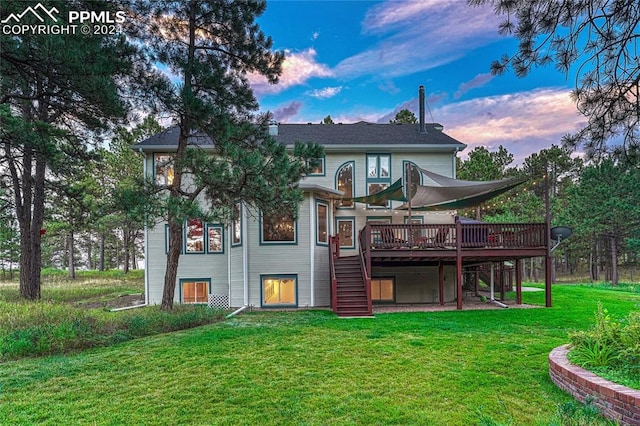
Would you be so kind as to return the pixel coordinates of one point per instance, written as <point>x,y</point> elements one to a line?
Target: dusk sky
<point>364,60</point>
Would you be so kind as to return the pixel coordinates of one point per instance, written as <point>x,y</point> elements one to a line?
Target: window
<point>215,239</point>
<point>344,183</point>
<point>374,188</point>
<point>382,289</point>
<point>378,175</point>
<point>417,233</point>
<point>279,290</point>
<point>166,240</point>
<point>317,167</point>
<point>322,223</point>
<point>195,290</point>
<point>376,236</point>
<point>194,238</point>
<point>345,228</point>
<point>236,225</point>
<point>411,171</point>
<point>163,164</point>
<point>378,166</point>
<point>278,228</point>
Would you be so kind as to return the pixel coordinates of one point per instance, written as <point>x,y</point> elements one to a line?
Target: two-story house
<point>280,262</point>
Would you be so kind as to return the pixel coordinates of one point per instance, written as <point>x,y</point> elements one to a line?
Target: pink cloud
<point>296,70</point>
<point>285,113</point>
<point>477,81</point>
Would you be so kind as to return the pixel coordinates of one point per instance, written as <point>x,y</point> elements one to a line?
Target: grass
<point>310,367</point>
<point>61,323</point>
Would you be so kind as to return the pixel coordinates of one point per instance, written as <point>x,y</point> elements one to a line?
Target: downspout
<point>245,255</point>
<point>312,250</point>
<point>146,239</point>
<point>229,241</point>
<point>237,311</point>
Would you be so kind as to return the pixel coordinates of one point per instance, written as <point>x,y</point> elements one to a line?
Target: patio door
<point>383,289</point>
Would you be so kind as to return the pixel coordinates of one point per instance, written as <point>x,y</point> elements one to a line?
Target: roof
<point>363,133</point>
<point>359,134</point>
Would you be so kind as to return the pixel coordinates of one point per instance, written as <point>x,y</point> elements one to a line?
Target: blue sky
<point>364,60</point>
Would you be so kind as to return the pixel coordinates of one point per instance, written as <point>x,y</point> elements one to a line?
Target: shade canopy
<point>443,193</point>
<point>395,192</point>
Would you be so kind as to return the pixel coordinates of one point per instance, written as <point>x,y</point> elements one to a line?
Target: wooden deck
<point>476,242</point>
<point>464,245</point>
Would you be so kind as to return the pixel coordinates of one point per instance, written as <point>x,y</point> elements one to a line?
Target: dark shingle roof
<point>360,133</point>
<point>363,133</point>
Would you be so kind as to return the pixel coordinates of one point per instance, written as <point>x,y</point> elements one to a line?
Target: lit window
<point>382,289</point>
<point>279,290</point>
<point>278,228</point>
<point>215,239</point>
<point>195,291</point>
<point>317,167</point>
<point>322,223</point>
<point>164,169</point>
<point>194,236</point>
<point>344,183</point>
<point>345,232</point>
<point>373,189</point>
<point>378,176</point>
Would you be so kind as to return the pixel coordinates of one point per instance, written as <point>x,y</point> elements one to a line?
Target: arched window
<point>412,171</point>
<point>344,183</point>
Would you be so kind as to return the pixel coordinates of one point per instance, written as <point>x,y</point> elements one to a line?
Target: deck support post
<point>476,281</point>
<point>441,282</point>
<point>503,281</point>
<point>518,281</point>
<point>459,261</point>
<point>547,281</point>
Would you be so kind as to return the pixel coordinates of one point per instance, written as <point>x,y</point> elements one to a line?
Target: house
<point>356,241</point>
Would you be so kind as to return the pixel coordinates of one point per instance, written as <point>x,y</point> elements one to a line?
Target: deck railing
<point>444,236</point>
<point>334,252</point>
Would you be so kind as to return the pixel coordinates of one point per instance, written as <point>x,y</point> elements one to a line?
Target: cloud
<point>297,69</point>
<point>412,105</point>
<point>325,93</point>
<point>523,122</point>
<point>285,113</point>
<point>417,36</point>
<point>477,81</point>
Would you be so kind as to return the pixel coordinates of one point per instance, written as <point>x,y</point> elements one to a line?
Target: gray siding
<point>306,259</point>
<point>419,284</point>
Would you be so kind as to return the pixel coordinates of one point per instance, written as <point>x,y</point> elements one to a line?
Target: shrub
<point>45,328</point>
<point>609,345</point>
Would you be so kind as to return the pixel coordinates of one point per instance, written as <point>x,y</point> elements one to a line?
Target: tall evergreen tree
<point>599,39</point>
<point>54,90</point>
<point>211,46</point>
<point>404,116</point>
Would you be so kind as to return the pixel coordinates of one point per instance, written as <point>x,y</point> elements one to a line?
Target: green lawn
<point>443,368</point>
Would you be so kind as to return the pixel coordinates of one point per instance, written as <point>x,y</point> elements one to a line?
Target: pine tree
<point>212,45</point>
<point>597,38</point>
<point>54,92</point>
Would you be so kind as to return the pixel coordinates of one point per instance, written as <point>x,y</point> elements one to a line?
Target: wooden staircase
<point>500,284</point>
<point>351,292</point>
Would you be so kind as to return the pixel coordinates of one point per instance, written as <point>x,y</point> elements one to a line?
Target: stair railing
<point>366,265</point>
<point>334,252</point>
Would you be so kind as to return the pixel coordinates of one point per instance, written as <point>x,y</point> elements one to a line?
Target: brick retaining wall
<point>614,401</point>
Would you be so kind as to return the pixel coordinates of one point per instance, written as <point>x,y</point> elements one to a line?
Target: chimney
<point>273,128</point>
<point>421,101</point>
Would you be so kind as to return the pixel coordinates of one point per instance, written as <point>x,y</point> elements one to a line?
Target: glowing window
<point>279,290</point>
